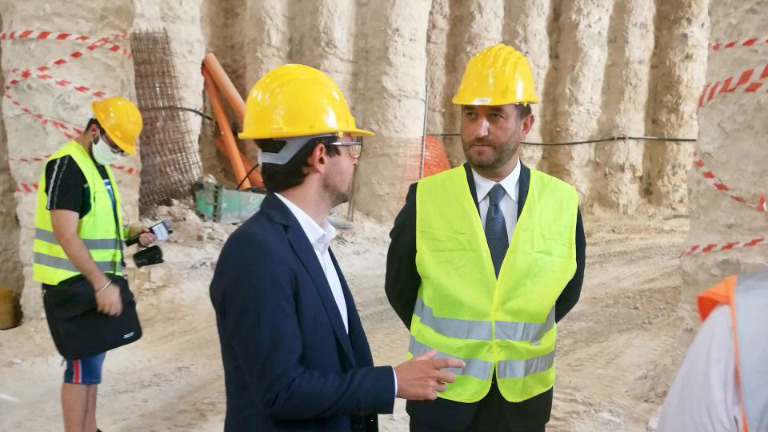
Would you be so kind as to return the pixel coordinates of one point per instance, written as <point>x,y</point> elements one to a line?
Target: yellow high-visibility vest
<point>98,229</point>
<point>504,326</point>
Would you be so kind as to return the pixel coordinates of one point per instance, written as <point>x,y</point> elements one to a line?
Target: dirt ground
<point>617,350</point>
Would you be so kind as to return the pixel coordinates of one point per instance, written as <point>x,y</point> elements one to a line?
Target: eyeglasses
<point>355,148</point>
<point>114,148</point>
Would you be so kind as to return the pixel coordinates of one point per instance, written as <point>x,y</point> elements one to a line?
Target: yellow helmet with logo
<point>296,100</point>
<point>498,75</point>
<point>120,118</point>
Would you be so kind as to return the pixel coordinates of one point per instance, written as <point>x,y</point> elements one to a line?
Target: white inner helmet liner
<point>291,147</point>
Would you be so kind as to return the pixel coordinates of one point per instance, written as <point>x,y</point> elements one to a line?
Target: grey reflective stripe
<point>481,330</point>
<point>521,331</point>
<point>523,368</point>
<point>472,367</point>
<point>457,328</point>
<point>751,327</point>
<point>65,264</point>
<point>91,244</point>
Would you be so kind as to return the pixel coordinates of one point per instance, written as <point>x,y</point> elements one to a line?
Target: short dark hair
<point>92,122</point>
<point>523,111</point>
<point>278,178</point>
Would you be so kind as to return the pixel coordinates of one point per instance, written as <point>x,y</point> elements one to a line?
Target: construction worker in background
<point>721,385</point>
<point>485,258</point>
<point>78,214</point>
<point>294,351</point>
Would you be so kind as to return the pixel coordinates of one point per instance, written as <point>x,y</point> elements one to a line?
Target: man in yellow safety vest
<point>79,234</point>
<point>486,258</point>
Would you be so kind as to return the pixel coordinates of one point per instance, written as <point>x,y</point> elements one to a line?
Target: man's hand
<point>147,238</point>
<point>109,302</point>
<point>422,377</point>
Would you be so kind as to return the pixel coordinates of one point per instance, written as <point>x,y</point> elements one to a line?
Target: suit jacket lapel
<point>362,351</point>
<point>303,249</point>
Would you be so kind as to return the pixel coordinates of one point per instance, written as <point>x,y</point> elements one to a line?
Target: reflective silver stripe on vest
<point>457,328</point>
<point>751,327</point>
<point>91,244</point>
<point>65,264</point>
<point>521,331</point>
<point>472,367</point>
<point>481,330</point>
<point>523,368</point>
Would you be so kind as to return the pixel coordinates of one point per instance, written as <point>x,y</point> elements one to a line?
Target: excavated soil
<point>617,351</point>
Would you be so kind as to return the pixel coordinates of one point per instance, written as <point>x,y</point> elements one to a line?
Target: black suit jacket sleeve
<point>403,280</point>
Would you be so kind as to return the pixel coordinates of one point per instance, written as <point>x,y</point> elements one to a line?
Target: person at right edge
<point>485,258</point>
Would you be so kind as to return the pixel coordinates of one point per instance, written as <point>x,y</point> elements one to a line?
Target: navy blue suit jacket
<point>289,364</point>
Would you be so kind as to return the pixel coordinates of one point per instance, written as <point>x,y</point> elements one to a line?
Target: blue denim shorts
<point>86,370</point>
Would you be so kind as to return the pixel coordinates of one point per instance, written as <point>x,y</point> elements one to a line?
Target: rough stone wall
<point>630,67</point>
<point>731,144</point>
<point>57,99</point>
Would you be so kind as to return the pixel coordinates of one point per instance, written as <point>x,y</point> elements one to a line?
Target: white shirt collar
<point>509,183</point>
<point>319,236</point>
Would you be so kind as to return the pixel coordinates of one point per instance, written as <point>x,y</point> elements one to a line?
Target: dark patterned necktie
<point>496,228</point>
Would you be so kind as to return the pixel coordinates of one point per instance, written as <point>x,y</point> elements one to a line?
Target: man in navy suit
<point>295,354</point>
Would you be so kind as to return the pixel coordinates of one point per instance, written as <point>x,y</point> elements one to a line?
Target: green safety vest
<point>463,311</point>
<point>98,228</point>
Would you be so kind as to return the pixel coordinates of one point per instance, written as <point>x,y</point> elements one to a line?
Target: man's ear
<point>318,158</point>
<point>526,124</point>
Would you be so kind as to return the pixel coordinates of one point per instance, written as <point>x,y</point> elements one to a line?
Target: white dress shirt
<point>704,396</point>
<point>320,237</point>
<point>511,185</point>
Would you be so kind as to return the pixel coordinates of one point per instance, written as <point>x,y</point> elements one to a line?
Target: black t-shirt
<point>66,186</point>
<point>68,189</point>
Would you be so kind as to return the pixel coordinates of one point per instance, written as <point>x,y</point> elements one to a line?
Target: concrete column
<point>323,36</point>
<point>732,135</point>
<point>625,93</point>
<point>438,54</point>
<point>524,28</point>
<point>581,53</point>
<point>58,98</point>
<point>475,25</point>
<point>677,77</point>
<point>267,37</point>
<point>391,101</point>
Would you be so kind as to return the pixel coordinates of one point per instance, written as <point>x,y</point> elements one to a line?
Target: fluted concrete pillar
<point>391,101</point>
<point>576,97</point>
<point>619,164</point>
<point>677,76</point>
<point>523,25</point>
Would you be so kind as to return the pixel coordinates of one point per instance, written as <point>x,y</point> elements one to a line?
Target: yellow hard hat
<point>121,120</point>
<point>296,100</point>
<point>498,75</point>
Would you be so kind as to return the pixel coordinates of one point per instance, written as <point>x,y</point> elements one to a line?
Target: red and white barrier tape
<point>26,187</point>
<point>69,132</point>
<point>54,36</point>
<point>59,82</point>
<point>719,46</point>
<point>126,169</point>
<point>713,90</point>
<point>702,249</point>
<point>761,206</point>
